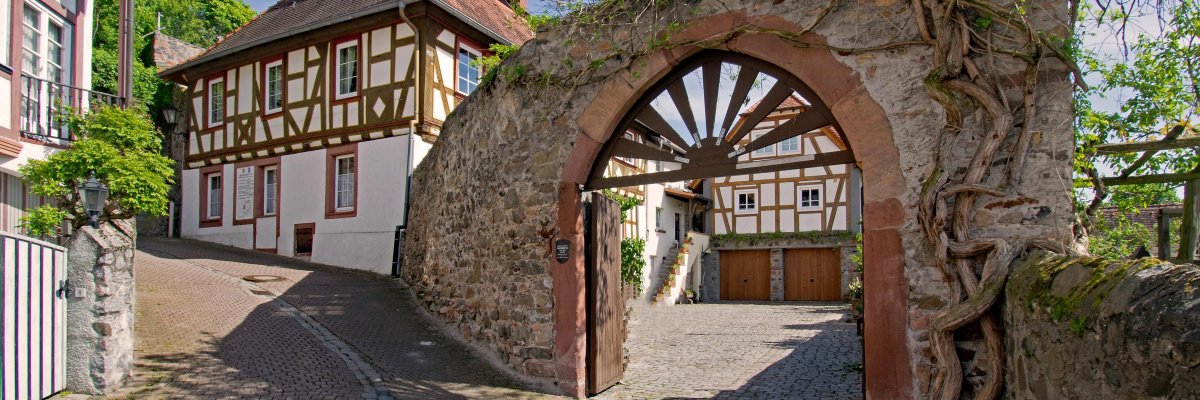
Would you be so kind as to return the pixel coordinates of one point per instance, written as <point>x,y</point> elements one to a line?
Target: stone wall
<point>503,182</point>
<point>1092,328</point>
<point>100,323</point>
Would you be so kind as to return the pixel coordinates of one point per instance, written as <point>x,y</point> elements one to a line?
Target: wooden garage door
<point>812,275</point>
<point>746,275</point>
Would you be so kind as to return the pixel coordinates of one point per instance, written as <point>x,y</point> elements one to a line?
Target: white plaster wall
<point>360,242</point>
<point>5,111</point>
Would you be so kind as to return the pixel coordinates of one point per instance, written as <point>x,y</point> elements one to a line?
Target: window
<point>765,150</point>
<point>808,197</point>
<point>347,69</point>
<point>468,70</point>
<point>31,43</point>
<point>273,82</point>
<point>216,102</point>
<point>747,201</point>
<point>658,217</point>
<point>790,145</point>
<point>214,196</point>
<point>344,183</point>
<point>270,190</point>
<point>44,43</point>
<point>5,34</point>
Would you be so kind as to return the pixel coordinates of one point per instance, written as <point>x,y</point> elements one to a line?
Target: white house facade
<point>304,145</point>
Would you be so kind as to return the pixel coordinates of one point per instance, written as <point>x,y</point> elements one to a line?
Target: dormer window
<point>346,62</point>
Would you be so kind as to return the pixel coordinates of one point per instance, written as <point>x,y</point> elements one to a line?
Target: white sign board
<point>244,203</point>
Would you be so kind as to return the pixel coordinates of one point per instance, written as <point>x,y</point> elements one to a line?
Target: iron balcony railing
<point>43,101</point>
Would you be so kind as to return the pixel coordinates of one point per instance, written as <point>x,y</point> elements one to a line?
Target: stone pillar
<point>776,274</point>
<point>100,309</point>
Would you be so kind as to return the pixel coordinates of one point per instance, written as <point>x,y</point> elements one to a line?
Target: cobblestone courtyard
<point>742,351</point>
<point>311,333</point>
<point>307,331</point>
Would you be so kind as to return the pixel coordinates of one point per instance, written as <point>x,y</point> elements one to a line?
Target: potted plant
<point>854,291</point>
<point>690,296</point>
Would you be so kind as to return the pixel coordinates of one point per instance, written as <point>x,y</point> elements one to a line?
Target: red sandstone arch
<point>889,372</point>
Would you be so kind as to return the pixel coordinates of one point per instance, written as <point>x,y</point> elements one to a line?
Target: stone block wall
<point>100,323</point>
<point>1082,327</point>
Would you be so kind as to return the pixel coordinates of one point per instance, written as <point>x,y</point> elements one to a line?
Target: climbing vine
<point>978,49</point>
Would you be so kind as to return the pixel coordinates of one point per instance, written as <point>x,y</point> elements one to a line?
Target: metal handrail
<point>41,99</point>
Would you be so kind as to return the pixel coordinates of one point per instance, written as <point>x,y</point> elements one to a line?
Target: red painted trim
<point>205,119</point>
<point>458,44</point>
<point>266,115</point>
<point>333,69</point>
<point>16,12</point>
<point>77,64</point>
<point>330,176</point>
<point>205,173</point>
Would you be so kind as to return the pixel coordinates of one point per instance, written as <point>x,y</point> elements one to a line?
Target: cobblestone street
<point>742,351</point>
<point>301,331</point>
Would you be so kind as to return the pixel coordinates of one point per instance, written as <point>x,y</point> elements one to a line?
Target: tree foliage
<point>1154,83</point>
<point>122,147</point>
<point>199,22</point>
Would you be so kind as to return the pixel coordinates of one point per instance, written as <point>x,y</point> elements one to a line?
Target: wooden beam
<point>803,123</point>
<point>1190,231</point>
<point>767,105</point>
<point>1141,180</point>
<point>631,149</point>
<point>1164,235</point>
<point>714,169</point>
<point>1133,147</point>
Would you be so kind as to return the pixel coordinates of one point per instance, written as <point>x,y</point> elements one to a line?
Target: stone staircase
<point>668,275</point>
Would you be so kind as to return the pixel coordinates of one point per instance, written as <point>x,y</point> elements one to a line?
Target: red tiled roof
<point>789,103</point>
<point>292,17</point>
<point>494,15</point>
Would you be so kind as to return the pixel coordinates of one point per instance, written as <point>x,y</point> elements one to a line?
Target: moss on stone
<point>1083,300</point>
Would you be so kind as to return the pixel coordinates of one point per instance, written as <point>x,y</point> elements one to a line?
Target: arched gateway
<point>506,180</point>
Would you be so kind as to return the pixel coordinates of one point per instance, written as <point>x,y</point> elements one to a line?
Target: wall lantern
<point>94,195</point>
<point>171,116</point>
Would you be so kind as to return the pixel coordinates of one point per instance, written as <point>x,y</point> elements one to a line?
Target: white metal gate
<point>34,292</point>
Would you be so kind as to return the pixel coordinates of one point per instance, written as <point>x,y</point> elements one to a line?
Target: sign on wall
<point>244,202</point>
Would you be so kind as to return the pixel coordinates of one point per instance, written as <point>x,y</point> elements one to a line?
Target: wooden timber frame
<point>714,151</point>
<point>1190,229</point>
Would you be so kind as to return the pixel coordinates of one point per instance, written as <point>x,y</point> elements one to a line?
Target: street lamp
<point>170,116</point>
<point>94,194</point>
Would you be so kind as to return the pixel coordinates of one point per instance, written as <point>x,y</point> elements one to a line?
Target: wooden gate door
<point>606,305</point>
<point>746,275</point>
<point>812,275</point>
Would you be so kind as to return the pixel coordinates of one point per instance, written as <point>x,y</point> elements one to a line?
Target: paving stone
<point>741,351</point>
<point>319,333</point>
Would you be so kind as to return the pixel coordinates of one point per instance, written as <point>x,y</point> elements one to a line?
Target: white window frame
<point>267,90</point>
<point>6,34</point>
<point>799,196</point>
<point>220,202</point>
<point>213,123</point>
<point>458,78</point>
<point>658,217</point>
<point>799,145</point>
<point>337,188</point>
<point>270,191</point>
<point>337,69</point>
<point>765,151</point>
<point>45,17</point>
<point>737,201</point>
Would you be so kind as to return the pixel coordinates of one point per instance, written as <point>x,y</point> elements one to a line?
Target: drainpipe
<point>413,126</point>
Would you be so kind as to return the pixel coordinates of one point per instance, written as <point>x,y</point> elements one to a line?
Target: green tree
<point>199,22</point>
<point>1157,75</point>
<point>122,147</point>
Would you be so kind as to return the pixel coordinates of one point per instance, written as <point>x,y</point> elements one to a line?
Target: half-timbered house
<point>305,124</point>
<point>756,217</point>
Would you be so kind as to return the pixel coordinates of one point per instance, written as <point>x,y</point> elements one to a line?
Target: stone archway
<point>503,183</point>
